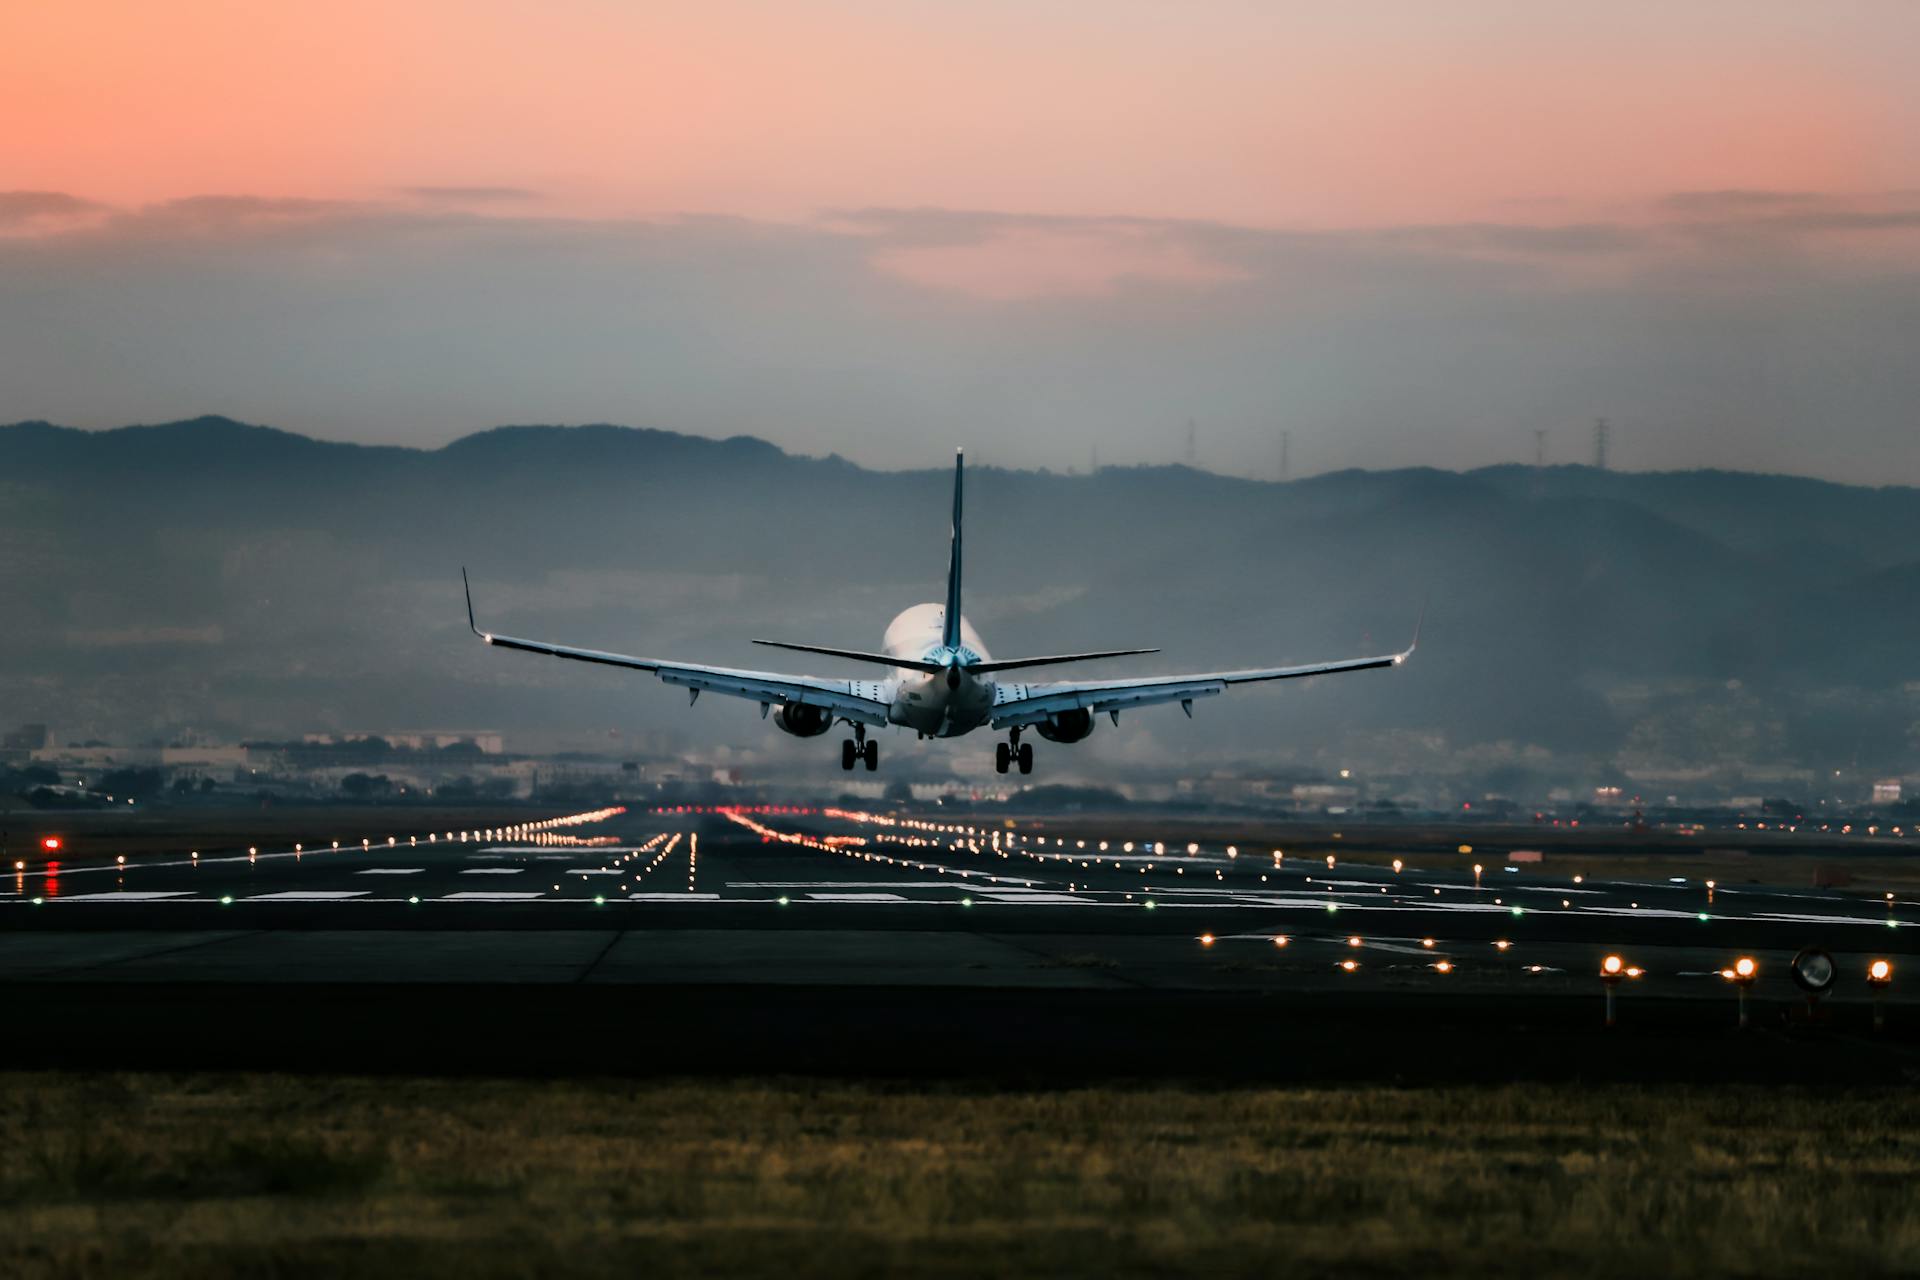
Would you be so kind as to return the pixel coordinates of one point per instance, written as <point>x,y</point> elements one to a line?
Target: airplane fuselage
<point>943,704</point>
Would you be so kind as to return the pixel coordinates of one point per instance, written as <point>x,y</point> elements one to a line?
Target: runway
<point>861,917</point>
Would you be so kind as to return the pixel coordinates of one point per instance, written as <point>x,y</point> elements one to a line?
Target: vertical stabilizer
<point>950,635</point>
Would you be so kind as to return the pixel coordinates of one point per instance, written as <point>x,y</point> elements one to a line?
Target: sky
<point>1404,233</point>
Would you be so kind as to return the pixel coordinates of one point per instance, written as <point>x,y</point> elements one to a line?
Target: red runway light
<point>51,844</point>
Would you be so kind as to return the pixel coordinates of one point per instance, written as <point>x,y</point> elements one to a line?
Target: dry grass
<point>292,1176</point>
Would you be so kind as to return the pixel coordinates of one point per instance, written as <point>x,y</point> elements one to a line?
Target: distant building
<point>488,741</point>
<point>1886,791</point>
<point>28,737</point>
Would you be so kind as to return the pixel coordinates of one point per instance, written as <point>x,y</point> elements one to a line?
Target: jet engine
<point>1066,726</point>
<point>802,720</point>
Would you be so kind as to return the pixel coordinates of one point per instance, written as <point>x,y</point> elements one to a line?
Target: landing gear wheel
<point>846,754</point>
<point>1002,757</point>
<point>1026,757</point>
<point>872,753</point>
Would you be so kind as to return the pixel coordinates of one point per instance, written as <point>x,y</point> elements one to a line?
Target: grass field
<point>205,1175</point>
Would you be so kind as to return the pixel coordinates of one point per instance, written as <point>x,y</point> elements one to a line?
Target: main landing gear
<point>858,748</point>
<point>1006,754</point>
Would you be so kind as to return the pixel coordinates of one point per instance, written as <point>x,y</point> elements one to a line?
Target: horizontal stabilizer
<point>1054,660</point>
<point>855,655</point>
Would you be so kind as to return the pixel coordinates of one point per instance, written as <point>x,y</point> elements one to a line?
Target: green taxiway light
<point>1703,917</point>
<point>1517,911</point>
<point>1149,904</point>
<point>783,899</point>
<point>1332,907</point>
<point>599,900</point>
<point>966,902</point>
<point>415,900</point>
<point>38,901</point>
<point>226,900</point>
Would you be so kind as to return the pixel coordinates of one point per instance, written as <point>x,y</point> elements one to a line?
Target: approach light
<point>1443,966</point>
<point>1426,942</point>
<point>1612,967</point>
<point>1354,941</point>
<point>1745,969</point>
<point>1206,939</point>
<point>1280,940</point>
<point>1349,965</point>
<point>1880,973</point>
<point>1813,970</point>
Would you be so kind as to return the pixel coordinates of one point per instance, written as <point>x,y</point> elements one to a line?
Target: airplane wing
<point>864,701</point>
<point>1022,704</point>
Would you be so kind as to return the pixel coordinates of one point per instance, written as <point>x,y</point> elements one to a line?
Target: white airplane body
<point>941,681</point>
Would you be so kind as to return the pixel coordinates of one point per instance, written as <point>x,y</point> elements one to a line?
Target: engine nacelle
<point>802,720</point>
<point>1066,726</point>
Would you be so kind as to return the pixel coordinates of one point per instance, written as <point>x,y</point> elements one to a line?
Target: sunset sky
<point>1408,233</point>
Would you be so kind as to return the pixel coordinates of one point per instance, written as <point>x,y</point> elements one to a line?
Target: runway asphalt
<point>848,912</point>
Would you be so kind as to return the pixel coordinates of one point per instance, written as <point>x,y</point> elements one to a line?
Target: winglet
<point>1414,643</point>
<point>468,588</point>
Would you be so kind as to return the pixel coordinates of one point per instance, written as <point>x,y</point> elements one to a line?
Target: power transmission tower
<point>1601,433</point>
<point>1193,445</point>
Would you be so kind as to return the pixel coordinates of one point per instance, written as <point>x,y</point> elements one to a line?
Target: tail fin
<point>950,636</point>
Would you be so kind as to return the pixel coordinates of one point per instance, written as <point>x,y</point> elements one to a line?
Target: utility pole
<point>1193,444</point>
<point>1601,432</point>
<point>1539,448</point>
<point>1286,441</point>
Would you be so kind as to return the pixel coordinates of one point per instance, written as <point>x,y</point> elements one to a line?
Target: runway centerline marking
<point>493,871</point>
<point>391,871</point>
<point>488,897</point>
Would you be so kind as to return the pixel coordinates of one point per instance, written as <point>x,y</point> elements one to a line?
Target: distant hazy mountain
<point>213,577</point>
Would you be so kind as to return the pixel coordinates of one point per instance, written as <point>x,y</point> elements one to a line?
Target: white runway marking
<point>673,897</point>
<point>123,897</point>
<point>594,871</point>
<point>308,895</point>
<point>1023,897</point>
<point>391,871</point>
<point>856,897</point>
<point>493,871</point>
<point>841,884</point>
<point>488,897</point>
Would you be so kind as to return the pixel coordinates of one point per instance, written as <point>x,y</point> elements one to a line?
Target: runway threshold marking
<point>123,896</point>
<point>308,895</point>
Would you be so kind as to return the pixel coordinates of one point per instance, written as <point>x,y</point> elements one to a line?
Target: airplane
<point>941,680</point>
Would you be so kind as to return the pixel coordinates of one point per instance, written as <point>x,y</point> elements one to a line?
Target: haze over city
<point>1407,234</point>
